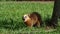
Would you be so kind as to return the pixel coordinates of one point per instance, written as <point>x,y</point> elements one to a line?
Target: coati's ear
<point>29,15</point>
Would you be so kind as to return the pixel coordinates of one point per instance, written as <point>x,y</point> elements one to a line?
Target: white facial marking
<point>26,17</point>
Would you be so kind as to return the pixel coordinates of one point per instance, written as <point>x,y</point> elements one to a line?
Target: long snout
<point>23,18</point>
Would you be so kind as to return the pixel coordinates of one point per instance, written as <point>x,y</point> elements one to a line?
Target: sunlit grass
<point>11,17</point>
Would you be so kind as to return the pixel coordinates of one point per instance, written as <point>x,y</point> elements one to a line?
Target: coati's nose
<point>23,18</point>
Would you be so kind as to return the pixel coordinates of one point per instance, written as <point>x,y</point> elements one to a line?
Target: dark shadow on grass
<point>48,23</point>
<point>11,24</point>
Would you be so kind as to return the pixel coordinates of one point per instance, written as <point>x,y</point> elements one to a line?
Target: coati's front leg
<point>29,23</point>
<point>30,26</point>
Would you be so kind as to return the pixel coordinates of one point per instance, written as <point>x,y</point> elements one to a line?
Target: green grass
<point>11,17</point>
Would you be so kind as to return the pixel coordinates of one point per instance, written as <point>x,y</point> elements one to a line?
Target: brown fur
<point>34,20</point>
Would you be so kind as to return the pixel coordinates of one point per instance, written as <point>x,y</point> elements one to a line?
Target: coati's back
<point>38,15</point>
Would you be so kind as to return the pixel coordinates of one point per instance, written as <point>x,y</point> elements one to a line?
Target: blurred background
<point>26,0</point>
<point>11,13</point>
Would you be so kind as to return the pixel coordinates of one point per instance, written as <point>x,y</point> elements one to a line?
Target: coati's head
<point>26,17</point>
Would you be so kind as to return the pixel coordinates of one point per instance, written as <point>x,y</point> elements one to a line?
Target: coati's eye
<point>25,17</point>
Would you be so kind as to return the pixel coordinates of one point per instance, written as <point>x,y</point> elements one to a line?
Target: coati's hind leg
<point>38,24</point>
